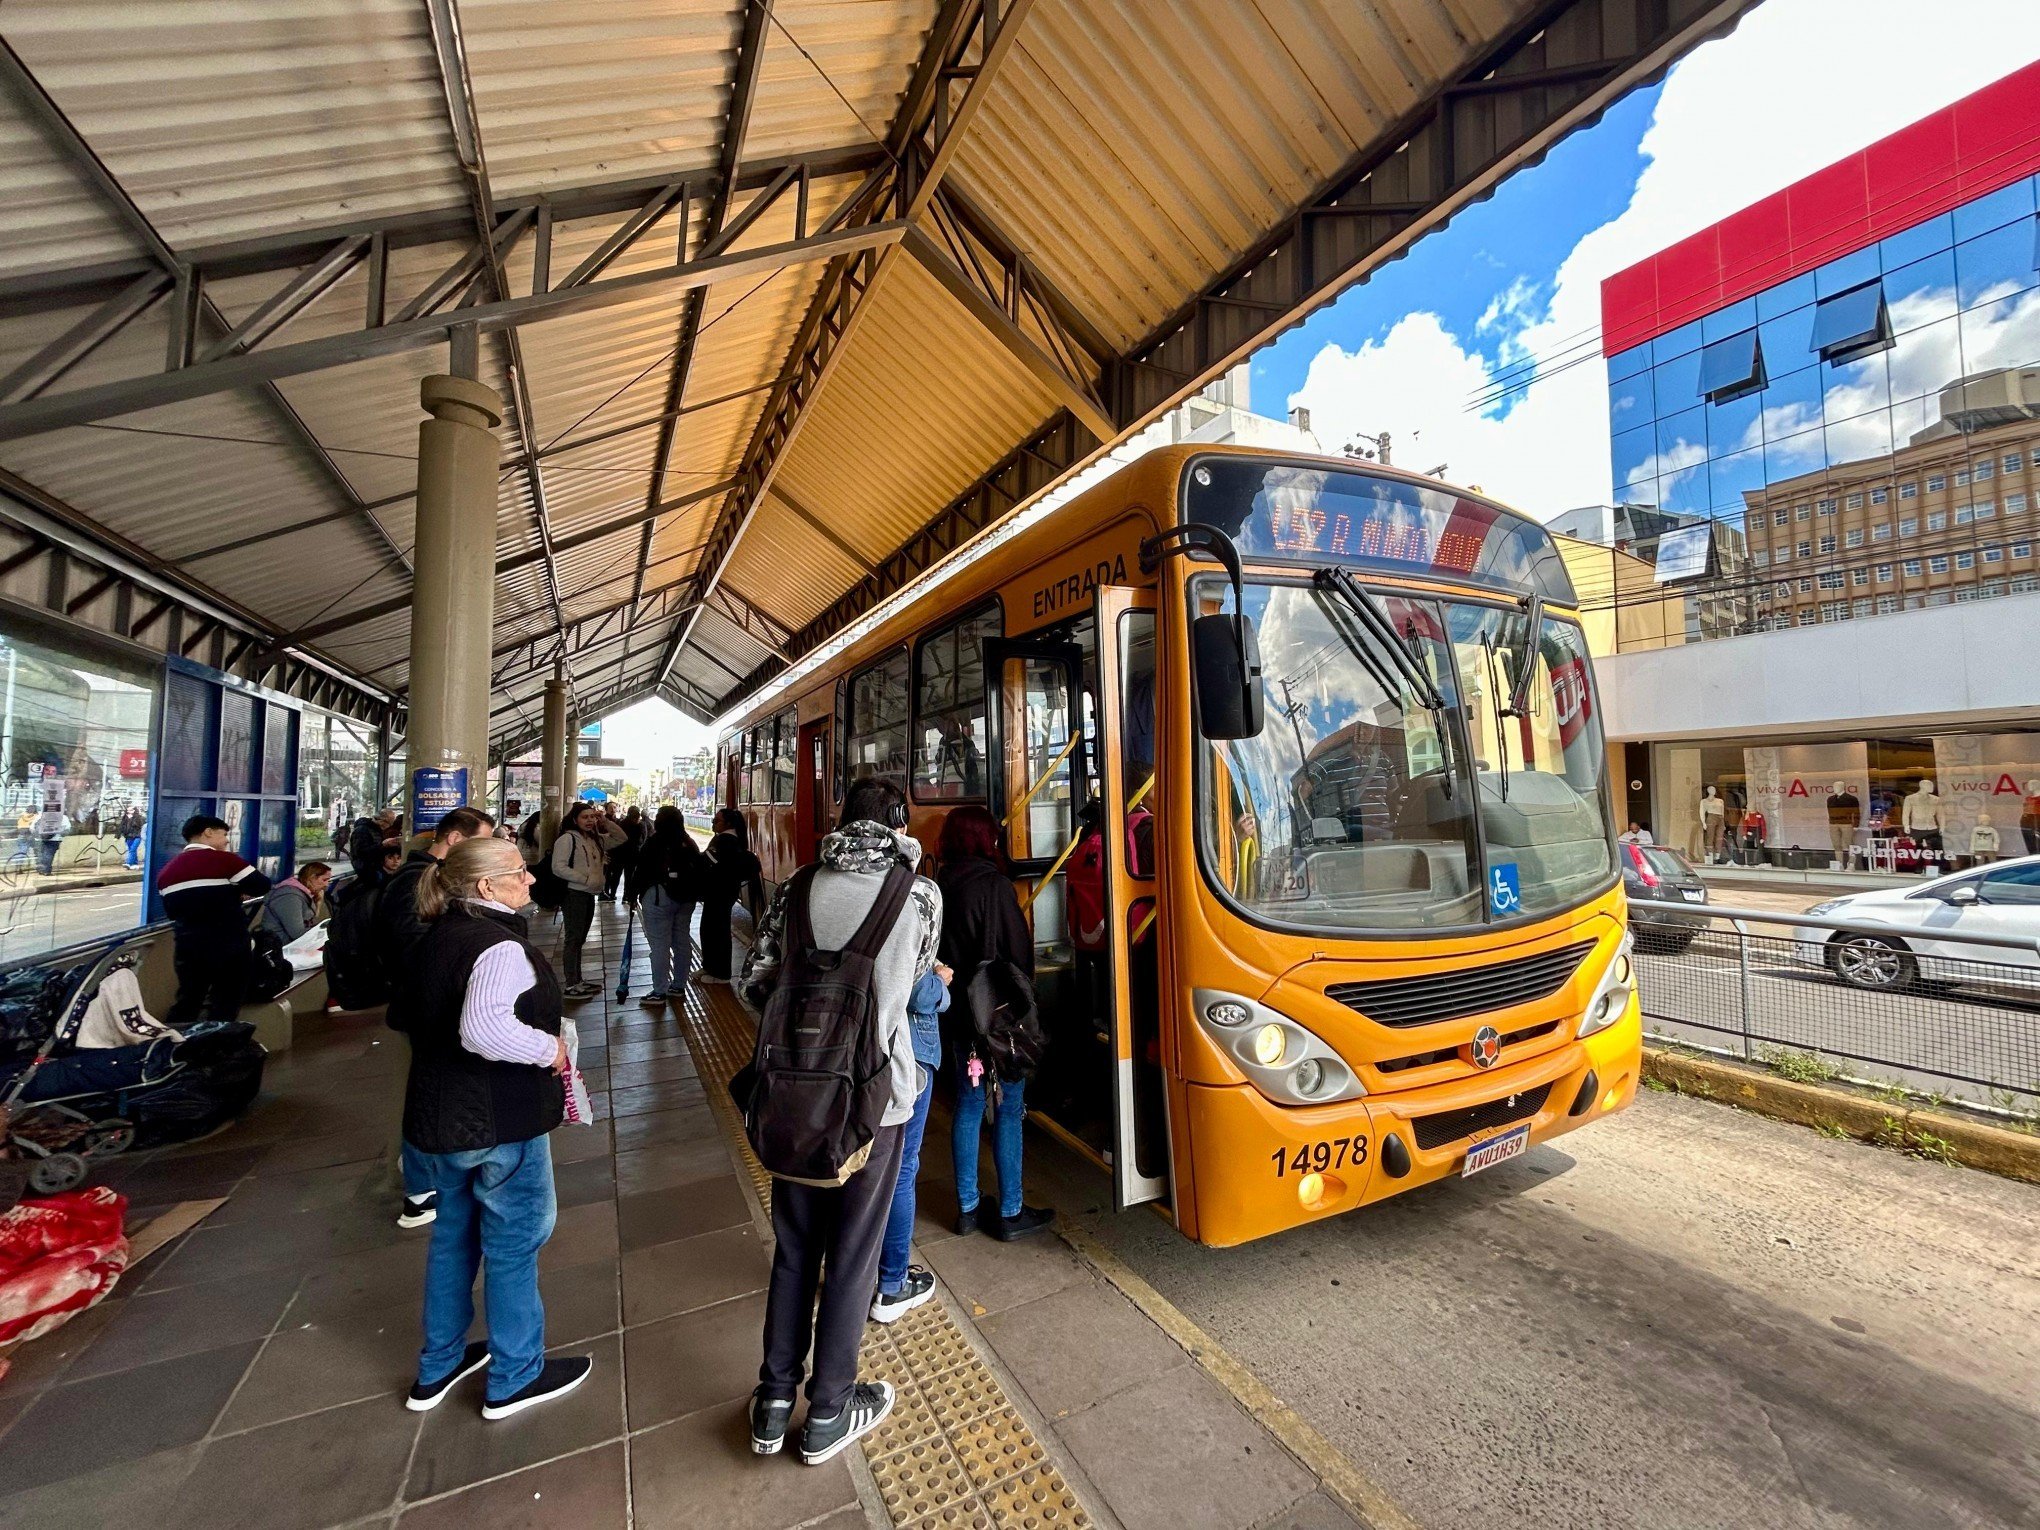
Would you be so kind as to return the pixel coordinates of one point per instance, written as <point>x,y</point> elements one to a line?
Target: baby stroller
<point>63,1106</point>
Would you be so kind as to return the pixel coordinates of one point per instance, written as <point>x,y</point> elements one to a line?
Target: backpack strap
<point>799,934</point>
<point>878,924</point>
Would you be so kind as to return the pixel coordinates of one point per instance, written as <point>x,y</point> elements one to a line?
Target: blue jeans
<point>899,1222</point>
<point>417,1176</point>
<point>668,938</point>
<point>963,1142</point>
<point>496,1209</point>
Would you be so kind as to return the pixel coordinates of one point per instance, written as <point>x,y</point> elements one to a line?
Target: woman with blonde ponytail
<point>487,1086</point>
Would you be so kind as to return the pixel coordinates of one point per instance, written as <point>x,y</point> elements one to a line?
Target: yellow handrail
<point>1028,796</point>
<point>1048,876</point>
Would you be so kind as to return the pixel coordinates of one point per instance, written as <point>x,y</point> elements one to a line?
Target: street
<point>1685,1317</point>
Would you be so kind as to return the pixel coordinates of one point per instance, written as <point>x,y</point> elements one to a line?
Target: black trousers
<point>835,1233</point>
<point>579,912</point>
<point>715,935</point>
<point>212,969</point>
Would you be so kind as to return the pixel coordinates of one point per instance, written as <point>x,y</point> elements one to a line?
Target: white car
<point>2001,901</point>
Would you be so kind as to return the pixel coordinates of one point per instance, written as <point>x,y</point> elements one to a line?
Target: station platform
<point>250,1371</point>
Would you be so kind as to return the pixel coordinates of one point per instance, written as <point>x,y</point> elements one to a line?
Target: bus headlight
<point>1287,1062</point>
<point>1611,995</point>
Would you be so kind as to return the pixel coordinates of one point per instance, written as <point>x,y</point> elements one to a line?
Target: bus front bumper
<point>1263,1167</point>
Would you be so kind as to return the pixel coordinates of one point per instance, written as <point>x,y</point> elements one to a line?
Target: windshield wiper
<point>1375,621</point>
<point>1526,664</point>
<point>1367,616</point>
<point>1494,690</point>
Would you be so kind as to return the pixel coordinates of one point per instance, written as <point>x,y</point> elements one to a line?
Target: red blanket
<point>57,1257</point>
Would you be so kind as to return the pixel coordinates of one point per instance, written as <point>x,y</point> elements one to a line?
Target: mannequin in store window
<point>2029,818</point>
<point>1713,816</point>
<point>1845,816</point>
<point>1922,817</point>
<point>1753,830</point>
<point>1983,840</point>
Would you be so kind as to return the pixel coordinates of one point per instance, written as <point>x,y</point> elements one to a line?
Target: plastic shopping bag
<point>579,1111</point>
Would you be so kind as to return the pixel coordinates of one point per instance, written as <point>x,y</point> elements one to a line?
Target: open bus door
<point>1126,781</point>
<point>813,807</point>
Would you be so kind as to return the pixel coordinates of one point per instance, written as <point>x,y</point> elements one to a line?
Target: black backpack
<point>269,970</point>
<point>1004,1020</point>
<point>548,887</point>
<point>354,969</point>
<point>820,1078</point>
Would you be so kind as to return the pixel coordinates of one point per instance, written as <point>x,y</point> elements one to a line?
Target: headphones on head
<point>896,812</point>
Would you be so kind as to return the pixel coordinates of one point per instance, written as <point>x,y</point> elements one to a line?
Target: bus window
<point>876,742</point>
<point>1041,780</point>
<point>950,710</point>
<point>788,725</point>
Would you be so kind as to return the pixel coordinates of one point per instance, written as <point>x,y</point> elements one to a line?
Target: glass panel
<point>1787,297</point>
<point>1997,337</point>
<point>239,743</point>
<point>1681,439</point>
<point>1995,265</point>
<point>1635,453</point>
<point>1731,366</point>
<point>1849,320</point>
<point>1922,361</point>
<point>1678,342</point>
<point>876,743</point>
<point>1040,763</point>
<point>190,738</point>
<point>1724,322</point>
<point>1626,364</point>
<point>950,713</point>
<point>1917,242</point>
<point>1845,272</point>
<point>1922,292</point>
<point>787,735</point>
<point>278,723</point>
<point>1629,401</point>
<point>2008,204</point>
<point>1676,383</point>
<point>273,845</point>
<point>74,768</point>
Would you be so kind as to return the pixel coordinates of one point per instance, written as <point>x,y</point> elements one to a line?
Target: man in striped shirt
<point>202,889</point>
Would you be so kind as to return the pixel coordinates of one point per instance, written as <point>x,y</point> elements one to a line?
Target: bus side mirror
<point>1229,699</point>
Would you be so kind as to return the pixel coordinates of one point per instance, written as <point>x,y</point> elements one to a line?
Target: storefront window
<point>75,735</point>
<point>336,782</point>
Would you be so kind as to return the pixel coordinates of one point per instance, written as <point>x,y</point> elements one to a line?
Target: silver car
<point>2000,901</point>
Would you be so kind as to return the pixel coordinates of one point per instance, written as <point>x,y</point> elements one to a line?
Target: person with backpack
<point>202,887</point>
<point>623,838</point>
<point>365,844</point>
<point>664,884</point>
<point>486,1088</point>
<point>732,873</point>
<point>831,1085</point>
<point>576,860</point>
<point>994,1032</point>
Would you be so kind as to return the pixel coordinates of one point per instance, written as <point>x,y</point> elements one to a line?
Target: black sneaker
<point>1031,1219</point>
<point>823,1439</point>
<point>965,1223</point>
<point>424,1399</point>
<point>556,1378</point>
<point>419,1209</point>
<point>769,1419</point>
<point>920,1285</point>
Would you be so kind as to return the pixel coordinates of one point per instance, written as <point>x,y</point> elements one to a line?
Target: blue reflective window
<point>1853,440</point>
<point>2007,205</point>
<point>1634,453</point>
<point>1735,425</point>
<point>1792,456</point>
<point>1680,435</point>
<point>1629,402</point>
<point>1925,360</point>
<point>1921,293</point>
<point>1855,387</point>
<point>1626,364</point>
<point>1851,323</point>
<point>1675,384</point>
<point>1846,271</point>
<point>1995,265</point>
<point>1677,342</point>
<point>1792,402</point>
<point>1784,341</point>
<point>1735,475</point>
<point>1918,242</point>
<point>1787,297</point>
<point>1724,322</point>
<point>1685,490</point>
<point>1731,367</point>
<point>2001,334</point>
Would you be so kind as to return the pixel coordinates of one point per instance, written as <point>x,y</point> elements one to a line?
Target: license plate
<point>1693,894</point>
<point>1513,1143</point>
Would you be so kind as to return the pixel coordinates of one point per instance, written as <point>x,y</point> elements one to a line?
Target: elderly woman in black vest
<point>487,1084</point>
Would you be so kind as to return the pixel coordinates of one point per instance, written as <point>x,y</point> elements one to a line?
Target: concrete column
<point>573,762</point>
<point>553,758</point>
<point>453,592</point>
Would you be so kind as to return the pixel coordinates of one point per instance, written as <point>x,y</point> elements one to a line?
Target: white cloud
<point>1800,84</point>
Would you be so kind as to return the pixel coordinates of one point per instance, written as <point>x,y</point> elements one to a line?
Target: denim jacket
<point>930,998</point>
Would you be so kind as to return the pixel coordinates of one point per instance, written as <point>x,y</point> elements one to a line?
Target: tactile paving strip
<point>955,1454</point>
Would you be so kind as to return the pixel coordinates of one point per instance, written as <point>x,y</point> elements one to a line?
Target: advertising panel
<point>1990,783</point>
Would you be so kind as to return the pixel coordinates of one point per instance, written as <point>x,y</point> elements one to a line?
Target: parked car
<point>2000,900</point>
<point>1659,881</point>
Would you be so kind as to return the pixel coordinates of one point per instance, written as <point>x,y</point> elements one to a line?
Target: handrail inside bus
<point>1053,765</point>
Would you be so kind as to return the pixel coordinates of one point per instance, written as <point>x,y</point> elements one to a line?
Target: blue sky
<point>1513,241</point>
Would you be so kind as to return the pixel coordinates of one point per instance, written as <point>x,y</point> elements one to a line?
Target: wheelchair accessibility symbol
<point>1505,889</point>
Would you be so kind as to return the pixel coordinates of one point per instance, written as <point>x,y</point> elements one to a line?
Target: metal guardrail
<point>1956,1019</point>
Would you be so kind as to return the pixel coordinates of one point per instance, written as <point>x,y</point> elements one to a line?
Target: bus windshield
<point>1360,807</point>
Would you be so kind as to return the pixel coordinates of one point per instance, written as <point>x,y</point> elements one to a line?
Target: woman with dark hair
<point>732,872</point>
<point>982,923</point>
<point>664,884</point>
<point>577,861</point>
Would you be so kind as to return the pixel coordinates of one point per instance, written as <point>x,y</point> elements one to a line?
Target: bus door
<point>812,805</point>
<point>1126,777</point>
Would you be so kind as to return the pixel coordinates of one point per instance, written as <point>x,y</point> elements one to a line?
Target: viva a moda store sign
<point>1801,788</point>
<point>1991,783</point>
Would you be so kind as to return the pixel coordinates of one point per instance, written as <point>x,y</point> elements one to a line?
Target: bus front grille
<point>1446,1054</point>
<point>1451,1125</point>
<point>1469,991</point>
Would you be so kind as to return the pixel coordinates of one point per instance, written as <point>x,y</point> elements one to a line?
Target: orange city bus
<point>1337,726</point>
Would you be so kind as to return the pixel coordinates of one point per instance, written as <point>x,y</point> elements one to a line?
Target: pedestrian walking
<point>202,887</point>
<point>664,885</point>
<point>577,862</point>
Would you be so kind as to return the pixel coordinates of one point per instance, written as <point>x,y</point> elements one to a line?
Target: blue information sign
<point>435,793</point>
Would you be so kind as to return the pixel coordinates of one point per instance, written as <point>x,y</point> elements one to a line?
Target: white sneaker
<point>919,1287</point>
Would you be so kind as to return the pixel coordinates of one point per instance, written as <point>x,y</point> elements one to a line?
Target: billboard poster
<point>1990,785</point>
<point>1805,789</point>
<point>435,793</point>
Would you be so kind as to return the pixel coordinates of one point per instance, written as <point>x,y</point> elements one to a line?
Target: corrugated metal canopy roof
<point>786,283</point>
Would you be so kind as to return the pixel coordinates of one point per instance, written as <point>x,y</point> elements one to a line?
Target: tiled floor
<point>250,1373</point>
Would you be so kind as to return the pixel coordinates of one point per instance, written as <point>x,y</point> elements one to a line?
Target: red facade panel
<point>1982,142</point>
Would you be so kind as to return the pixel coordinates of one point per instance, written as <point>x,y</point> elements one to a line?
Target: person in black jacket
<point>664,883</point>
<point>399,930</point>
<point>487,1085</point>
<point>732,873</point>
<point>365,845</point>
<point>981,923</point>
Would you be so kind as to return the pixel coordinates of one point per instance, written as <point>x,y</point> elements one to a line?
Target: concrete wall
<point>1968,664</point>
